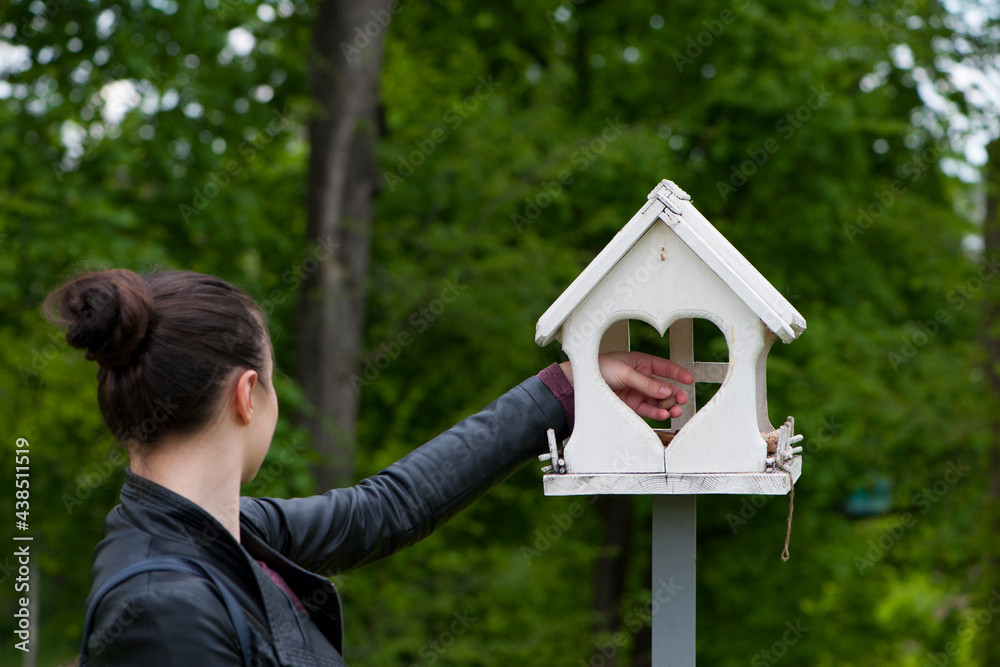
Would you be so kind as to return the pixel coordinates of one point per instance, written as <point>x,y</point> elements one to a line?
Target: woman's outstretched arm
<point>348,527</point>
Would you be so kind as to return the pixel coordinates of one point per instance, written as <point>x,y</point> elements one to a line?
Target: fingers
<point>677,397</point>
<point>673,404</point>
<point>649,364</point>
<point>645,385</point>
<point>656,412</point>
<point>639,380</point>
<point>653,388</point>
<point>648,411</point>
<point>668,369</point>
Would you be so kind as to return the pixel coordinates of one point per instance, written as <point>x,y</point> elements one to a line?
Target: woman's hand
<point>630,376</point>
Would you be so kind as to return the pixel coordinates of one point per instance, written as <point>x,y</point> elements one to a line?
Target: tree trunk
<point>609,578</point>
<point>989,647</point>
<point>344,64</point>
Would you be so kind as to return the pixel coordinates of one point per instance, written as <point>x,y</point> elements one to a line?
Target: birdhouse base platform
<point>775,483</point>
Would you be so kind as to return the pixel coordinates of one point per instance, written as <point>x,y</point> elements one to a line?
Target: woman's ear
<point>243,397</point>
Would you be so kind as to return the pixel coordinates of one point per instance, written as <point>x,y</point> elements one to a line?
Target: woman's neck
<point>204,469</point>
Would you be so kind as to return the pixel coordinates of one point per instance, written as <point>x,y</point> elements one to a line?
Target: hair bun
<point>108,313</point>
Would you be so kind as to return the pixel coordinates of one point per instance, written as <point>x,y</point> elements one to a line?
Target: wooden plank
<point>552,319</point>
<point>682,353</point>
<point>752,483</point>
<point>763,420</point>
<point>675,524</point>
<point>710,371</point>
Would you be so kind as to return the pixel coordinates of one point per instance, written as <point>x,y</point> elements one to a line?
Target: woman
<point>185,384</point>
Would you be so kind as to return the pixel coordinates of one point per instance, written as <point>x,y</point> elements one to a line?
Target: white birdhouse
<point>665,267</point>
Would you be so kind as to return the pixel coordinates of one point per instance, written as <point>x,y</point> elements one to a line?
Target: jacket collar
<point>162,512</point>
<point>165,514</point>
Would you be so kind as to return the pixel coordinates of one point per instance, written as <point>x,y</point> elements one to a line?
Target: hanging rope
<point>791,508</point>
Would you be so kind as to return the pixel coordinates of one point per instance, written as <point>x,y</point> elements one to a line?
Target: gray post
<point>674,546</point>
<point>674,541</point>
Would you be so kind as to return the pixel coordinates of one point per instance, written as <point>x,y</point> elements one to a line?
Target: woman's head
<point>166,343</point>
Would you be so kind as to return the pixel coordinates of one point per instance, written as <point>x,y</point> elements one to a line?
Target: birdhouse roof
<point>670,205</point>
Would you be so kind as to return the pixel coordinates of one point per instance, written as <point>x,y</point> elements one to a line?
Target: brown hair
<point>165,344</point>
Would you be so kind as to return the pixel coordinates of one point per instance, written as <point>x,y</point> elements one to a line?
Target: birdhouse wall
<point>763,421</point>
<point>659,281</point>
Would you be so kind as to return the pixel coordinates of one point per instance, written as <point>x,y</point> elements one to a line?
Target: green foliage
<point>499,188</point>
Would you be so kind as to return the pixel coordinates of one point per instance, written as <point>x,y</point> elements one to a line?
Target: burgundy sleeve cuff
<point>554,378</point>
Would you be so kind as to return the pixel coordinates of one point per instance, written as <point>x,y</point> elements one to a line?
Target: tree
<point>965,74</point>
<point>989,651</point>
<point>344,66</point>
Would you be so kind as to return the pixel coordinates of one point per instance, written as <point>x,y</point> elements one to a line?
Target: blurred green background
<point>841,146</point>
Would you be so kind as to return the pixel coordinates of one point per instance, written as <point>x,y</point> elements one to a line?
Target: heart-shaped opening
<point>706,355</point>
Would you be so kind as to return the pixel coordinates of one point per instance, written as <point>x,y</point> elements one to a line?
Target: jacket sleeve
<point>349,527</point>
<point>180,621</point>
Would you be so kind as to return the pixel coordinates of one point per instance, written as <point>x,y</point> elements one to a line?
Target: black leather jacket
<point>168,618</point>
